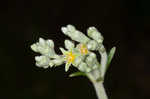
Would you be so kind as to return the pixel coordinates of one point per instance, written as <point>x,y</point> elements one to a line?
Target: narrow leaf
<point>77,74</point>
<point>110,56</point>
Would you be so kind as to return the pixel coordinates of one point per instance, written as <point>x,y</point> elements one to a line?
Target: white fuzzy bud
<point>75,34</point>
<point>92,45</point>
<point>95,34</point>
<point>91,60</point>
<point>42,61</point>
<point>79,37</point>
<point>77,61</point>
<point>84,68</point>
<point>64,30</point>
<point>44,47</point>
<point>58,61</point>
<point>69,44</point>
<point>71,28</point>
<point>42,42</point>
<point>50,43</point>
<point>34,47</point>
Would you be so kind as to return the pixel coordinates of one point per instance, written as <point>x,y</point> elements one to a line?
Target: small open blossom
<point>70,57</point>
<point>83,49</point>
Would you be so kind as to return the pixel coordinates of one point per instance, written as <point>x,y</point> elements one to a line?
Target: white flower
<point>69,57</point>
<point>72,56</point>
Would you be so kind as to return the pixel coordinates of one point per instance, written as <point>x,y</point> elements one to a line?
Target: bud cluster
<point>80,55</point>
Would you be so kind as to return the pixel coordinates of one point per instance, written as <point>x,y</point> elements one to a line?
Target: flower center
<point>70,57</point>
<point>83,49</point>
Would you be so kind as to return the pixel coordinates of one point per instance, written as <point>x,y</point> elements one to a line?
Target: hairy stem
<point>98,85</point>
<point>100,90</point>
<point>103,61</point>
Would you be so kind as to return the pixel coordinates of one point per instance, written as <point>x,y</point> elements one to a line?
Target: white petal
<point>67,66</point>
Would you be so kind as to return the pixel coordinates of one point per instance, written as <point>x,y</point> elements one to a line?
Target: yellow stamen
<point>70,57</point>
<point>83,49</point>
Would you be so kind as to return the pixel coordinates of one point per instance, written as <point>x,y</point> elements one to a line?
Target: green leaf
<point>77,74</point>
<point>110,56</point>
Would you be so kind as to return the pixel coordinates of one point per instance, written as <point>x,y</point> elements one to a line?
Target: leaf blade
<point>77,74</point>
<point>110,56</point>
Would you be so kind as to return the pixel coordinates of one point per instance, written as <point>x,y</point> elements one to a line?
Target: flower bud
<point>45,47</point>
<point>69,44</point>
<point>71,28</point>
<point>34,47</point>
<point>80,37</point>
<point>64,30</point>
<point>42,42</point>
<point>50,43</point>
<point>92,45</point>
<point>58,61</point>
<point>91,60</point>
<point>77,61</point>
<point>84,68</point>
<point>95,34</point>
<point>75,34</point>
<point>42,61</point>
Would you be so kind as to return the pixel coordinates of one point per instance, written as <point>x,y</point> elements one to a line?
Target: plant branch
<point>103,61</point>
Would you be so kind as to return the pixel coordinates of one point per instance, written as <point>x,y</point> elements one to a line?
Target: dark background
<point>124,24</point>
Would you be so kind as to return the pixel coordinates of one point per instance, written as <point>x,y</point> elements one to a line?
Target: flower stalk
<point>100,90</point>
